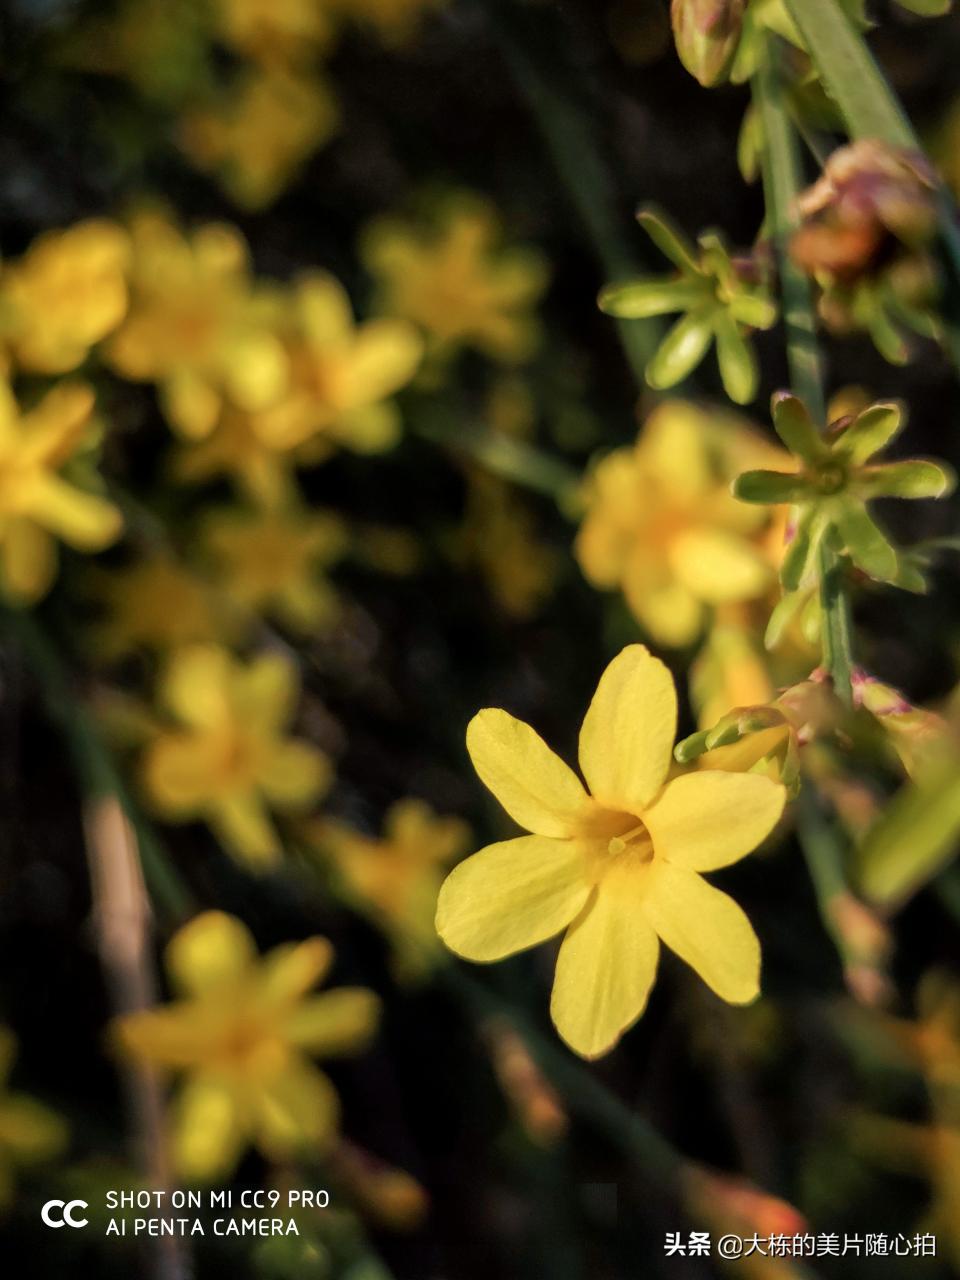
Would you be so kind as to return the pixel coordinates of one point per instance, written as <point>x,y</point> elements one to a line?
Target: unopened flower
<point>29,1132</point>
<point>707,33</point>
<point>65,294</point>
<point>456,282</point>
<point>920,738</point>
<point>836,479</point>
<point>241,1036</point>
<point>661,525</point>
<point>223,757</point>
<point>720,301</point>
<point>39,502</point>
<point>618,867</point>
<point>196,325</point>
<point>272,561</point>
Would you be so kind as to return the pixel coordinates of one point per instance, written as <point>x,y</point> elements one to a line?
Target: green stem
<point>96,773</point>
<point>781,182</point>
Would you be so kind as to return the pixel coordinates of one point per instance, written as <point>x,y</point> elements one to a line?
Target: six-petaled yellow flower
<point>225,758</point>
<point>242,1035</point>
<point>29,1132</point>
<point>37,503</point>
<point>662,525</point>
<point>619,866</point>
<point>457,283</point>
<point>66,293</point>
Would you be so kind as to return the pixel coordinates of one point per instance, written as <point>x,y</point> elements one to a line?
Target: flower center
<point>637,840</point>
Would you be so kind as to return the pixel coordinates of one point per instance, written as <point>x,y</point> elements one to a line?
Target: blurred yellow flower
<point>66,293</point>
<point>236,449</point>
<point>730,670</point>
<point>276,32</point>
<point>37,503</point>
<point>224,759</point>
<point>196,325</point>
<point>29,1132</point>
<point>618,867</point>
<point>272,561</point>
<point>498,536</point>
<point>662,525</point>
<point>242,1034</point>
<point>255,139</point>
<point>456,282</point>
<point>396,879</point>
<point>154,604</point>
<point>396,21</point>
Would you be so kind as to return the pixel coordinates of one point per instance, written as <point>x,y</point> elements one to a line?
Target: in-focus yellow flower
<point>455,281</point>
<point>661,523</point>
<point>225,759</point>
<point>37,503</point>
<point>154,604</point>
<point>196,325</point>
<point>257,137</point>
<point>342,374</point>
<point>242,1035</point>
<point>272,562</point>
<point>617,867</point>
<point>29,1132</point>
<point>67,292</point>
<point>396,879</point>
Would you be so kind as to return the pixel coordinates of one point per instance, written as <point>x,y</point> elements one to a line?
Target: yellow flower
<point>396,879</point>
<point>342,374</point>
<point>619,867</point>
<point>37,503</point>
<point>275,32</point>
<point>225,759</point>
<point>29,1131</point>
<point>66,293</point>
<point>272,562</point>
<point>662,525</point>
<point>235,448</point>
<point>258,136</point>
<point>456,283</point>
<point>196,326</point>
<point>499,537</point>
<point>242,1035</point>
<point>155,603</point>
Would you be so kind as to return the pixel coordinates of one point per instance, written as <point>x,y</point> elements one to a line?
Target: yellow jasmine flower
<point>276,32</point>
<point>256,138</point>
<point>662,525</point>
<point>196,326</point>
<point>236,448</point>
<point>498,536</point>
<point>457,283</point>
<point>617,867</point>
<point>396,878</point>
<point>272,562</point>
<point>29,1131</point>
<point>37,503</point>
<point>224,758</point>
<point>154,604</point>
<point>342,374</point>
<point>241,1035</point>
<point>66,293</point>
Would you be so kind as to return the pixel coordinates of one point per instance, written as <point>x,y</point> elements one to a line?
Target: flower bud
<point>707,33</point>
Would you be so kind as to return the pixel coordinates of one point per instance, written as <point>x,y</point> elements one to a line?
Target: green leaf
<point>795,428</point>
<point>770,487</point>
<point>870,432</point>
<point>735,356</point>
<point>682,349</point>
<point>913,840</point>
<point>671,242</point>
<point>641,299</point>
<point>913,478</point>
<point>865,543</point>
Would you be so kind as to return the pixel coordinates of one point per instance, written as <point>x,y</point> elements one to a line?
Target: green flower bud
<point>707,33</point>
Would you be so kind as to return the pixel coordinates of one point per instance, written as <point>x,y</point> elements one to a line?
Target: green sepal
<point>641,299</point>
<point>795,428</point>
<point>672,243</point>
<point>865,543</point>
<point>801,553</point>
<point>735,356</point>
<point>912,478</point>
<point>871,431</point>
<point>753,309</point>
<point>682,349</point>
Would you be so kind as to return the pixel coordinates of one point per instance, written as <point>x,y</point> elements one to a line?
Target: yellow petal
<point>208,1132</point>
<point>296,775</point>
<point>717,567</point>
<point>29,561</point>
<point>535,787</point>
<point>298,1108</point>
<point>291,970</point>
<point>212,951</point>
<point>706,929</point>
<point>606,967</point>
<point>673,448</point>
<point>710,819</point>
<point>195,686</point>
<point>336,1022</point>
<point>672,616</point>
<point>627,735</point>
<point>190,404</point>
<point>177,1035</point>
<point>242,825</point>
<point>511,896</point>
<point>83,520</point>
<point>266,691</point>
<point>385,356</point>
<point>180,773</point>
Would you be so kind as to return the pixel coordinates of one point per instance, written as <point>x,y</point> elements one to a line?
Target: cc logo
<point>65,1217</point>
